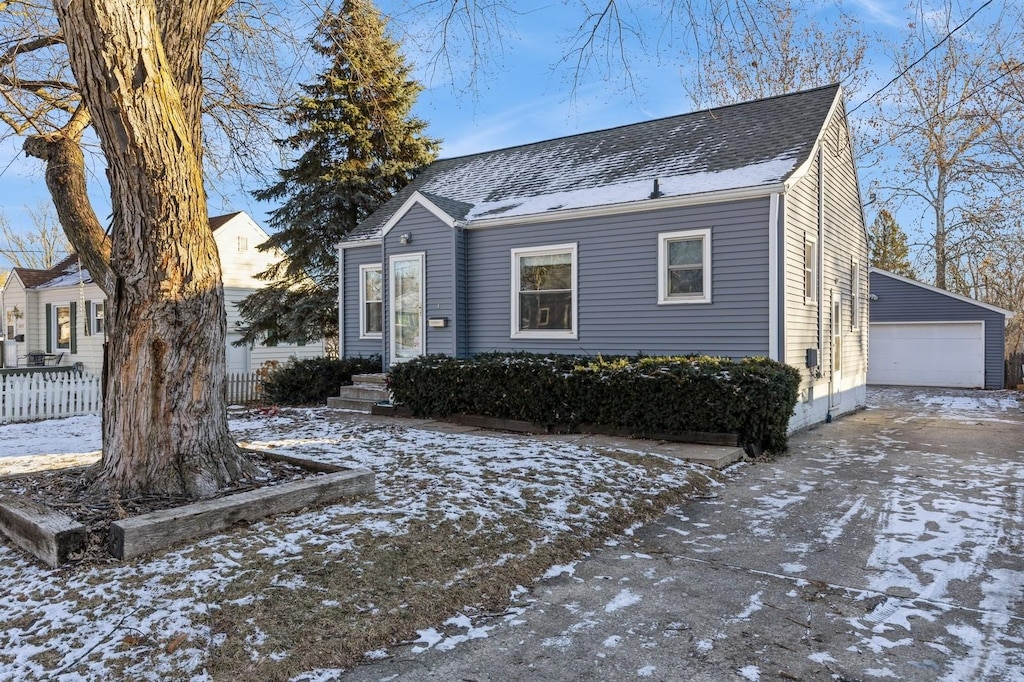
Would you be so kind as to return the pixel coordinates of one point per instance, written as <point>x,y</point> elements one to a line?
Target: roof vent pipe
<point>657,191</point>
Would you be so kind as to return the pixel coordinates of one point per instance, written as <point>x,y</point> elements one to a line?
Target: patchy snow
<point>750,672</point>
<point>623,599</point>
<point>560,569</point>
<point>754,175</point>
<point>108,622</point>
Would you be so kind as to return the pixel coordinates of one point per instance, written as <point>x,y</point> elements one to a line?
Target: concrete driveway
<point>887,545</point>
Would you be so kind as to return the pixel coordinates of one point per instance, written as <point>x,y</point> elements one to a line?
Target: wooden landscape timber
<point>46,534</point>
<point>139,535</point>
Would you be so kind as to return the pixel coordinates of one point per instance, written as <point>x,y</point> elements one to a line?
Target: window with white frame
<point>810,270</point>
<point>684,266</point>
<point>544,292</point>
<point>371,297</point>
<point>13,316</point>
<point>62,327</point>
<point>97,313</point>
<point>854,293</point>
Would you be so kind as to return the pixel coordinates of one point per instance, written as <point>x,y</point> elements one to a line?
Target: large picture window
<point>544,292</point>
<point>371,297</point>
<point>684,266</point>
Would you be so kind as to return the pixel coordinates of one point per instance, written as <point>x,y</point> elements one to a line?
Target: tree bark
<point>165,410</point>
<point>65,179</point>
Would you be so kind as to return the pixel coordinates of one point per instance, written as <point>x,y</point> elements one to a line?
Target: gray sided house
<point>924,336</point>
<point>735,231</point>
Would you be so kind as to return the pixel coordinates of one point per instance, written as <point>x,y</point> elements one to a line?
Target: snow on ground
<point>50,444</point>
<point>940,522</point>
<point>104,620</point>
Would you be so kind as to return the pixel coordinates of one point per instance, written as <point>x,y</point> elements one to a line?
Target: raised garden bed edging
<point>44,533</point>
<point>146,533</point>
<point>519,426</point>
<point>54,537</point>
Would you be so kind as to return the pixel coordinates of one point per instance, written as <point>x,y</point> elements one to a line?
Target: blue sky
<point>519,97</point>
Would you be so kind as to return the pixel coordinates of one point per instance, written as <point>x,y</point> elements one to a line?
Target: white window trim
<point>91,309</point>
<point>516,332</point>
<point>421,257</point>
<point>855,278</point>
<point>663,239</point>
<point>815,273</point>
<point>363,334</point>
<point>55,312</point>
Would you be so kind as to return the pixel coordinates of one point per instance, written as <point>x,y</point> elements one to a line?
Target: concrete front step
<point>354,405</point>
<point>363,392</point>
<point>366,391</point>
<point>369,379</point>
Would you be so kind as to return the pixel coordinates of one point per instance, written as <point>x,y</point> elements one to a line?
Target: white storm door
<point>406,297</point>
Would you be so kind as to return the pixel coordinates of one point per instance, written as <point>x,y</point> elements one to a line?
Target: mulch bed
<point>67,491</point>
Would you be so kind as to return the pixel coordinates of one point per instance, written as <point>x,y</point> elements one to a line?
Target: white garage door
<point>927,354</point>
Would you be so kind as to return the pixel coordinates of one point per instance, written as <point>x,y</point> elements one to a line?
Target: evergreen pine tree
<point>359,146</point>
<point>889,250</point>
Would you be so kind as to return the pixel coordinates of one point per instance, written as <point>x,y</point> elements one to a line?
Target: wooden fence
<point>243,388</point>
<point>1015,370</point>
<point>27,397</point>
<point>48,396</point>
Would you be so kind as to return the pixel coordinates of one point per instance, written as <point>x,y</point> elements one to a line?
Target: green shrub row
<point>752,397</point>
<point>314,380</point>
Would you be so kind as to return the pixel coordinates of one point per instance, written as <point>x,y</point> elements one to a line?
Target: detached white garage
<point>923,336</point>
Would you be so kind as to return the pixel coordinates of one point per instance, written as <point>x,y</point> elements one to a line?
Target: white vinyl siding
<point>684,267</point>
<point>544,292</point>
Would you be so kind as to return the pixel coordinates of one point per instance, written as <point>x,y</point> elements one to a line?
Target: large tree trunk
<point>165,413</point>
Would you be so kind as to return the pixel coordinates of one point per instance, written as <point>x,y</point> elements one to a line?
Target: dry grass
<point>399,585</point>
<point>456,525</point>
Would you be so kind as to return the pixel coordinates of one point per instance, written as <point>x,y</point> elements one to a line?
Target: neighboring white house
<point>60,312</point>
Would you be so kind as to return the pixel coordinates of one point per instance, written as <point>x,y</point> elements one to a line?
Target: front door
<point>835,386</point>
<point>406,298</point>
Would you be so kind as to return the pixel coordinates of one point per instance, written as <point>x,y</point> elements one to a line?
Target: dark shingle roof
<point>32,277</point>
<point>742,145</point>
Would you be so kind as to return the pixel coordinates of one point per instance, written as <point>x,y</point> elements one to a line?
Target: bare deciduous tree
<point>952,126</point>
<point>141,77</point>
<point>39,247</point>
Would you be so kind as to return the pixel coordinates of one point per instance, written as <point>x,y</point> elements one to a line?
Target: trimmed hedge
<point>314,380</point>
<point>752,397</point>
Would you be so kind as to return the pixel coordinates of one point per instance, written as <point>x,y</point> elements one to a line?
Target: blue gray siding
<point>900,301</point>
<point>352,345</point>
<point>825,205</point>
<point>461,293</point>
<point>618,283</point>
<point>434,239</point>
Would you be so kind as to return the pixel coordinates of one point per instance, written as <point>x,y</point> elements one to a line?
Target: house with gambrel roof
<point>59,312</point>
<point>736,231</point>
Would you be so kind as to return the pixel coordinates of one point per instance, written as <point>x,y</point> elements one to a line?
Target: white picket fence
<point>243,388</point>
<point>27,397</point>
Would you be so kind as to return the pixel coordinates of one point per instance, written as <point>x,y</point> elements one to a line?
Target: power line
<point>8,166</point>
<point>920,59</point>
<point>911,127</point>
